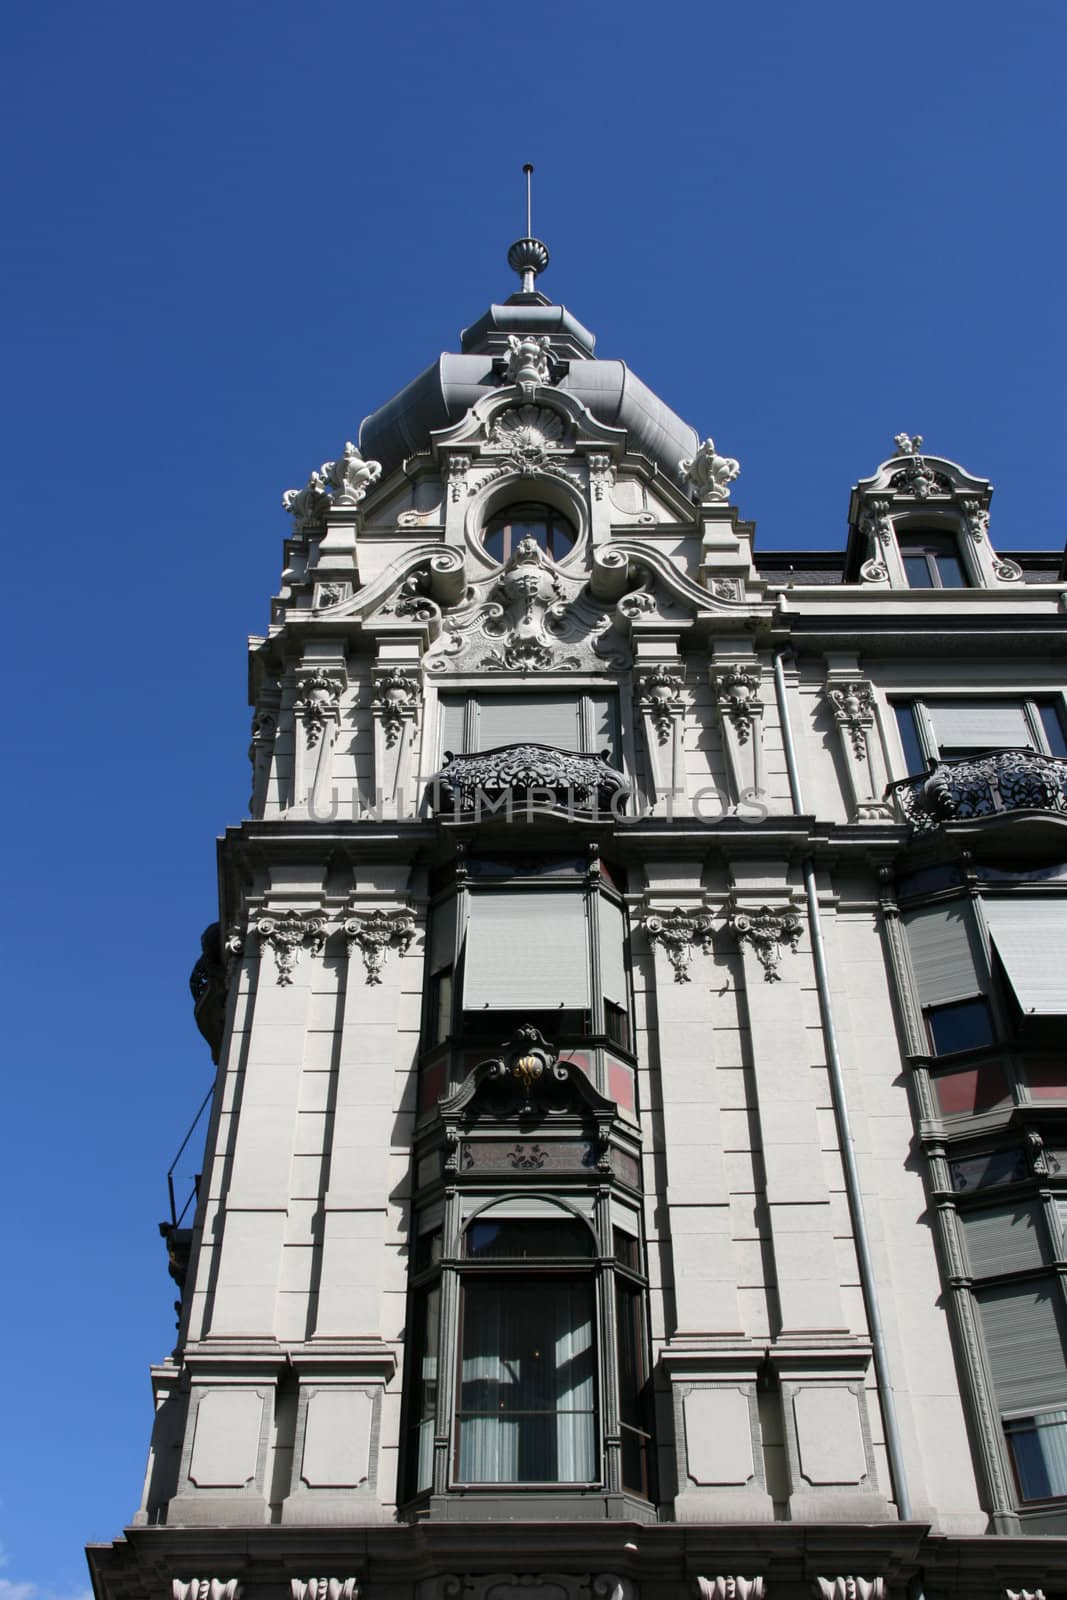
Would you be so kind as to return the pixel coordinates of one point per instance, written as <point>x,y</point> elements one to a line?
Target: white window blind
<point>942,944</point>
<point>526,950</point>
<point>443,935</point>
<point>1030,936</point>
<point>1024,1345</point>
<point>979,725</point>
<point>605,728</point>
<point>1003,1239</point>
<point>453,712</point>
<point>612,951</point>
<point>540,718</point>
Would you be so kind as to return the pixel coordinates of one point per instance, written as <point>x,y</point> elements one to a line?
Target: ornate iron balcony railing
<point>528,775</point>
<point>982,786</point>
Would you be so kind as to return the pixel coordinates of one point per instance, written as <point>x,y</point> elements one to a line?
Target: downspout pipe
<point>894,1448</point>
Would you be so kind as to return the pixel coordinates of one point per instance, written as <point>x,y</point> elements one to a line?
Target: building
<point>639,1153</point>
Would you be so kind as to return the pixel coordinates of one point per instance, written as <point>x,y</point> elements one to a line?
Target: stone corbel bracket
<point>375,932</point>
<point>324,1588</point>
<point>851,701</point>
<point>849,1588</point>
<point>766,930</point>
<point>287,933</point>
<point>721,1588</point>
<point>396,701</point>
<point>206,1589</point>
<point>658,693</point>
<point>736,690</point>
<point>678,932</point>
<point>316,709</point>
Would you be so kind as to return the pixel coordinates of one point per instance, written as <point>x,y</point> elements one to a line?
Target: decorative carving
<point>975,519</point>
<point>709,473</point>
<point>916,477</point>
<point>1024,1594</point>
<point>850,1588</point>
<point>208,984</point>
<point>853,707</point>
<point>332,594</point>
<point>527,1157</point>
<point>982,786</point>
<point>1007,571</point>
<point>456,468</point>
<point>531,436</point>
<point>324,1588</point>
<point>659,690</point>
<point>317,697</point>
<point>730,1588</point>
<point>287,932</point>
<point>610,1586</point>
<point>264,729</point>
<point>308,506</point>
<point>877,523</point>
<point>397,691</point>
<point>727,589</point>
<point>766,931</point>
<point>678,931</point>
<point>737,693</point>
<point>374,933</point>
<point>528,774</point>
<point>412,598</point>
<point>529,1065</point>
<point>873,572</point>
<point>601,475</point>
<point>206,1589</point>
<point>350,476</point>
<point>526,359</point>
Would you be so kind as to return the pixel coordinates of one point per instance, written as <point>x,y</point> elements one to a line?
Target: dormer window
<point>547,527</point>
<point>932,561</point>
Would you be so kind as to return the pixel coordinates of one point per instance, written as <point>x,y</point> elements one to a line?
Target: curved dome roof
<point>445,392</point>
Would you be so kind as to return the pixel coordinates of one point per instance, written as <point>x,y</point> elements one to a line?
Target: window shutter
<point>453,712</point>
<point>980,724</point>
<point>605,725</point>
<point>1031,937</point>
<point>942,944</point>
<point>1024,1345</point>
<point>1003,1239</point>
<point>612,951</point>
<point>526,951</point>
<point>539,718</point>
<point>443,934</point>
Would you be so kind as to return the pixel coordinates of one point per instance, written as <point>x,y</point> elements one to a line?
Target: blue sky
<point>232,231</point>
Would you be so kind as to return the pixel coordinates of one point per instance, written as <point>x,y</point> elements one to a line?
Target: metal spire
<point>528,256</point>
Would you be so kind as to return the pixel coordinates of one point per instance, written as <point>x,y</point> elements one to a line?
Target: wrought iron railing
<point>528,774</point>
<point>982,786</point>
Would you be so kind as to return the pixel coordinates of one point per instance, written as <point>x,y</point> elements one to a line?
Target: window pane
<point>989,1171</point>
<point>1039,1446</point>
<point>950,571</point>
<point>527,1240</point>
<point>914,759</point>
<point>973,1090</point>
<point>967,1025</point>
<point>527,1367</point>
<point>424,1388</point>
<point>917,571</point>
<point>1053,729</point>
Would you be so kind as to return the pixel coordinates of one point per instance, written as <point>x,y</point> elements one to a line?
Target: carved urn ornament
<point>350,476</point>
<point>526,360</point>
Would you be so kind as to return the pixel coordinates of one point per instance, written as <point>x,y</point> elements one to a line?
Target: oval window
<point>548,528</point>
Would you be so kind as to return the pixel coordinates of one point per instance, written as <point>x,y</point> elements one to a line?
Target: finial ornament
<point>709,473</point>
<point>528,256</point>
<point>908,444</point>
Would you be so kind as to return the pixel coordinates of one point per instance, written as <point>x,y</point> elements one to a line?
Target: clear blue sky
<point>232,231</point>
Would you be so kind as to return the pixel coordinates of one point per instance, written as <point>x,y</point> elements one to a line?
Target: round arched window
<point>548,528</point>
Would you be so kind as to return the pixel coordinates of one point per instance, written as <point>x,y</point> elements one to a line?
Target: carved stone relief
<point>531,439</point>
<point>373,934</point>
<point>852,703</point>
<point>287,933</point>
<point>350,476</point>
<point>601,475</point>
<point>767,931</point>
<point>722,1588</point>
<point>308,506</point>
<point>206,1589</point>
<point>659,697</point>
<point>317,696</point>
<point>397,693</point>
<point>526,360</point>
<point>850,1588</point>
<point>678,932</point>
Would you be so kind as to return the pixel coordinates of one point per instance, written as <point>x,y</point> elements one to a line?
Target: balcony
<point>977,789</point>
<point>527,777</point>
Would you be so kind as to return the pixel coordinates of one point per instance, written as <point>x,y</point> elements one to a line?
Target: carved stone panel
<point>337,1431</point>
<point>225,1450</point>
<point>718,1437</point>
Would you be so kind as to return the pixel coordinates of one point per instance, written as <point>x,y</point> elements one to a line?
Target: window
<point>548,528</point>
<point>949,729</point>
<point>526,1335</point>
<point>932,561</point>
<point>566,721</point>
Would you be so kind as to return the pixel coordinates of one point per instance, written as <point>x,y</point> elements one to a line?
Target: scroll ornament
<point>374,933</point>
<point>678,931</point>
<point>766,931</point>
<point>287,934</point>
